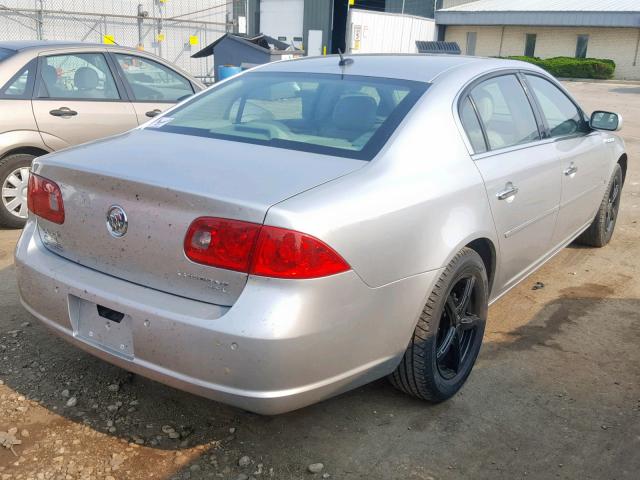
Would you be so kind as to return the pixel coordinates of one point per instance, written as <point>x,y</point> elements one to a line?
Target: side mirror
<point>601,120</point>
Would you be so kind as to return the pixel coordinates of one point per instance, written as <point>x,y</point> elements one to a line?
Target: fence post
<point>39,21</point>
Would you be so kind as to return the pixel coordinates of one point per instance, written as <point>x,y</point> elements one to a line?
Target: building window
<point>581,46</point>
<point>471,43</point>
<point>530,45</point>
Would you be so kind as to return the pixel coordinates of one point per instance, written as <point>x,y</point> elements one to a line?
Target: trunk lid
<point>163,181</point>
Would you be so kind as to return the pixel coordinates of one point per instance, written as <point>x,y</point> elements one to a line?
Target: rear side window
<point>80,76</point>
<point>21,85</point>
<point>560,113</point>
<point>472,126</point>
<point>505,112</point>
<point>342,115</point>
<point>151,81</point>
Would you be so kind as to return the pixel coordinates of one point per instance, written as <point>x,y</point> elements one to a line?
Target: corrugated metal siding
<point>549,6</point>
<point>565,19</point>
<point>420,8</point>
<point>318,15</point>
<point>378,32</point>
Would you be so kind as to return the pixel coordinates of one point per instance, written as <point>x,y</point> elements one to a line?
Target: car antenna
<point>344,61</point>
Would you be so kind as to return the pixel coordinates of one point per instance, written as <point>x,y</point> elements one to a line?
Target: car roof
<point>419,67</point>
<point>22,45</point>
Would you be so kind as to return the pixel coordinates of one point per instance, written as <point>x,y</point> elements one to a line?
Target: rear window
<point>342,115</point>
<point>5,53</point>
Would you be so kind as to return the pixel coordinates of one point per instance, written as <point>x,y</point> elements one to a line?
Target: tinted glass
<point>530,45</point>
<point>153,82</point>
<point>505,112</point>
<point>560,113</point>
<point>472,126</point>
<point>471,43</point>
<point>342,115</point>
<point>5,53</point>
<point>581,46</point>
<point>80,76</point>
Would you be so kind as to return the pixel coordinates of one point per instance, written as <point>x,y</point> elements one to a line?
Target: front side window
<point>151,81</point>
<point>530,45</point>
<point>342,115</point>
<point>79,76</point>
<point>20,86</point>
<point>581,46</point>
<point>560,113</point>
<point>505,112</point>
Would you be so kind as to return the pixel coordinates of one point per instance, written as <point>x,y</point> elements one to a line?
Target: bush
<point>569,67</point>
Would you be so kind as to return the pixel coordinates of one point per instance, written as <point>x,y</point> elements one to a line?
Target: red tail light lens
<point>221,243</point>
<point>44,199</point>
<point>260,250</point>
<point>286,253</point>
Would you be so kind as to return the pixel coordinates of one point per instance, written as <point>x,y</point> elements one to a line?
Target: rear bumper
<point>282,345</point>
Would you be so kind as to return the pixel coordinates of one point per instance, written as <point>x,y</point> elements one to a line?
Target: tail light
<point>44,199</point>
<point>260,249</point>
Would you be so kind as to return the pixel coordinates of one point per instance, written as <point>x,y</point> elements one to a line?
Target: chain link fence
<point>172,29</point>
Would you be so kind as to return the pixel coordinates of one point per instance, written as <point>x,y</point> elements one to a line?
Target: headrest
<point>85,78</point>
<point>50,75</point>
<point>355,113</point>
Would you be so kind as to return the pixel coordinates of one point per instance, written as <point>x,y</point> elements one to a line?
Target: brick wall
<point>617,44</point>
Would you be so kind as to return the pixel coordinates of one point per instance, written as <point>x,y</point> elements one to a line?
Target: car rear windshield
<point>5,53</point>
<point>343,115</point>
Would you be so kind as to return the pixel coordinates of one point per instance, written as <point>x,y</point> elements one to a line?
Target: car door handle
<point>153,113</point>
<point>509,191</point>
<point>570,170</point>
<point>63,112</point>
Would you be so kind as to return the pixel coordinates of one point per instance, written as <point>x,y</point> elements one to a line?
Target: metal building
<point>607,29</point>
<point>316,26</point>
<point>172,29</point>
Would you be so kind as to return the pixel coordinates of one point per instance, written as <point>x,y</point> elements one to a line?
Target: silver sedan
<point>312,225</point>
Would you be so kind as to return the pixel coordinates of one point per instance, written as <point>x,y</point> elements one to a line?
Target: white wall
<point>376,32</point>
<point>282,18</point>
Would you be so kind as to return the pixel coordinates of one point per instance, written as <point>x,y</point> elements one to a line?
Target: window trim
<point>547,130</point>
<point>31,65</point>
<point>119,87</point>
<point>127,85</point>
<point>465,92</point>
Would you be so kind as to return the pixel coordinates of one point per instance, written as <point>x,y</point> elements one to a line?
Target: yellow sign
<point>109,40</point>
<point>160,37</point>
<point>193,40</point>
<point>352,3</point>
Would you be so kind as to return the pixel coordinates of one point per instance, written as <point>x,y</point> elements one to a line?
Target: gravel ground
<point>555,393</point>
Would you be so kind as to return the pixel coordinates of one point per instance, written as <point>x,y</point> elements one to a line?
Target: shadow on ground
<point>559,396</point>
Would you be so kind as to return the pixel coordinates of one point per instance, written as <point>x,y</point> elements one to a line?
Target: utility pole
<point>39,20</point>
<point>141,15</point>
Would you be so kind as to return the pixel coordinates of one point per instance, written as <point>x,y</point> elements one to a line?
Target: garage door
<point>282,19</point>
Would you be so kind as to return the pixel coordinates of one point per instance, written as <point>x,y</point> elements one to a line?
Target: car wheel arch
<point>26,150</point>
<point>622,161</point>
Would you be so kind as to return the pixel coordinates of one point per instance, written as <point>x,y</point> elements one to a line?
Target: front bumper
<point>283,345</point>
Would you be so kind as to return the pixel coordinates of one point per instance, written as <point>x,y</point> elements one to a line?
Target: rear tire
<point>13,199</point>
<point>601,229</point>
<point>448,336</point>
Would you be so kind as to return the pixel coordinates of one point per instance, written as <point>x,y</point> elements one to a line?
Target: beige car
<point>57,94</point>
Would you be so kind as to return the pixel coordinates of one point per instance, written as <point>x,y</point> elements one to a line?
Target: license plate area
<point>101,326</point>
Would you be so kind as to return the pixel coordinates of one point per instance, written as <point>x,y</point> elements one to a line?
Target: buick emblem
<point>117,222</point>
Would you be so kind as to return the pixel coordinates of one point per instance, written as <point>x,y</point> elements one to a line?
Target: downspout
<point>501,40</point>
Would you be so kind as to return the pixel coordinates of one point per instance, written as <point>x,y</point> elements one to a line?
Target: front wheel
<point>448,336</point>
<point>14,180</point>
<point>601,230</point>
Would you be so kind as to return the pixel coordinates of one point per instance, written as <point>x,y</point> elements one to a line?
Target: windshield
<point>5,53</point>
<point>343,115</point>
